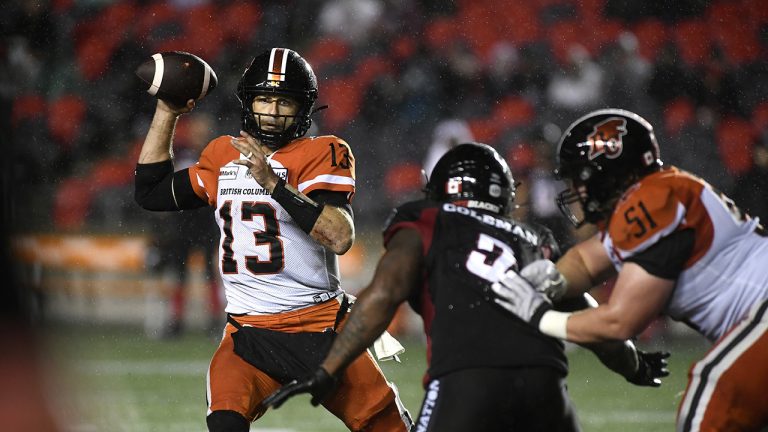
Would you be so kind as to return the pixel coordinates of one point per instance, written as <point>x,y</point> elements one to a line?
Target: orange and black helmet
<point>278,71</point>
<point>602,154</point>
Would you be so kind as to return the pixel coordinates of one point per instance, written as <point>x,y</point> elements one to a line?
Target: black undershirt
<point>666,259</point>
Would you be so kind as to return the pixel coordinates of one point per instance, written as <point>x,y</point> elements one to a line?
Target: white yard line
<point>627,416</point>
<point>142,367</point>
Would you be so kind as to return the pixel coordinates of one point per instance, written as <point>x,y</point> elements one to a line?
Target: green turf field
<point>115,379</point>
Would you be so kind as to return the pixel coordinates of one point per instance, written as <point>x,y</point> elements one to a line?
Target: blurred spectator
<point>626,74</point>
<point>351,20</point>
<point>178,235</point>
<point>394,69</point>
<point>578,86</point>
<point>447,134</point>
<point>751,188</point>
<point>544,187</point>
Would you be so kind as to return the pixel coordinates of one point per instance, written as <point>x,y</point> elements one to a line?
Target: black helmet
<point>476,173</point>
<point>282,72</point>
<point>603,153</point>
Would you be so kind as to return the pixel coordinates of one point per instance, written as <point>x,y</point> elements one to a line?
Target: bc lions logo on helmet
<point>606,138</point>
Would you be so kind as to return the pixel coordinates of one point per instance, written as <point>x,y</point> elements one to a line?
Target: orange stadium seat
<point>678,113</point>
<point>27,107</point>
<point>440,33</point>
<point>513,111</point>
<point>65,117</point>
<point>484,130</point>
<point>345,103</point>
<point>240,20</point>
<point>735,140</point>
<point>693,41</point>
<point>371,67</point>
<point>651,35</point>
<point>403,178</point>
<point>403,48</point>
<point>326,51</point>
<point>760,117</point>
<point>519,24</point>
<point>71,203</point>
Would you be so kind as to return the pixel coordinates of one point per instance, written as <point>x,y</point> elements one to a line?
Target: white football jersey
<point>727,272</point>
<point>267,263</point>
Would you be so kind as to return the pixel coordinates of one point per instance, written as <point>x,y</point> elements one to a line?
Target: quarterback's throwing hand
<point>519,296</point>
<point>319,385</point>
<point>651,367</point>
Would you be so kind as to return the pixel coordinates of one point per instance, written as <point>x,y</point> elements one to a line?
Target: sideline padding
<point>83,252</point>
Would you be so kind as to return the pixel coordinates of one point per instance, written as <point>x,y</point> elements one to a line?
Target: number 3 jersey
<point>267,263</point>
<point>676,226</point>
<point>465,251</point>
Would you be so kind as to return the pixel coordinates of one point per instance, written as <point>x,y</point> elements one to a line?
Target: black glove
<point>650,368</point>
<point>319,385</point>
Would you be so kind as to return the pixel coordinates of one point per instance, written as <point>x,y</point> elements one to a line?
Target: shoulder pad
<point>646,213</point>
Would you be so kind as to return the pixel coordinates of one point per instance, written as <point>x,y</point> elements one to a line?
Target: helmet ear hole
<point>585,173</point>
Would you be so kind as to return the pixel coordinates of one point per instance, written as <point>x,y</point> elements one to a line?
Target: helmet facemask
<point>588,199</point>
<point>254,122</point>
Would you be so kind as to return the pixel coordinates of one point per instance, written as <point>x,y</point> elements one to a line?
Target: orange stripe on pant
<point>364,398</point>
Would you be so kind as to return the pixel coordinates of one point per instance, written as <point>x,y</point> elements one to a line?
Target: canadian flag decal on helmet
<point>453,186</point>
<point>606,138</point>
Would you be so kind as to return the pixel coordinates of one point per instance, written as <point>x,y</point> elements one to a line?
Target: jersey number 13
<point>269,236</point>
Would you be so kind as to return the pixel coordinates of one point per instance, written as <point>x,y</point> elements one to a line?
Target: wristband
<point>555,324</point>
<point>304,211</point>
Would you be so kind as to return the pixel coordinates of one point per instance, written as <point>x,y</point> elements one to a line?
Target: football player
<point>678,247</point>
<point>282,202</point>
<point>487,370</point>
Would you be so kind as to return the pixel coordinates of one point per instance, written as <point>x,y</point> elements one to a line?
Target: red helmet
<point>602,154</point>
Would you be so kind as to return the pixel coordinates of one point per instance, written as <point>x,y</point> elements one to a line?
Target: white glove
<point>517,295</point>
<point>386,347</point>
<point>544,277</point>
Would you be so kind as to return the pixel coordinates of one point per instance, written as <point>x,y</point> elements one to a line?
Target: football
<point>177,76</point>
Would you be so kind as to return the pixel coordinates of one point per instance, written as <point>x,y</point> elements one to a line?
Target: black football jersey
<point>465,251</point>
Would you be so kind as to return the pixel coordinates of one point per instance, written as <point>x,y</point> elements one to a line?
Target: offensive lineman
<point>283,206</point>
<point>679,247</point>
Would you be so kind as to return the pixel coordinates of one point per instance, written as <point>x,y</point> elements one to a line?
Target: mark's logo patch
<point>606,138</point>
<point>228,172</point>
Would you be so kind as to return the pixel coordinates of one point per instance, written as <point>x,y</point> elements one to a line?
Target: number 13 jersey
<point>267,263</point>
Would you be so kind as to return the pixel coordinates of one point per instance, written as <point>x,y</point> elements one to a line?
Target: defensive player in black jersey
<point>487,371</point>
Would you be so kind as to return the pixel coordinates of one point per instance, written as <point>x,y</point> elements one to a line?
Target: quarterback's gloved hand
<point>517,295</point>
<point>319,385</point>
<point>545,278</point>
<point>651,367</point>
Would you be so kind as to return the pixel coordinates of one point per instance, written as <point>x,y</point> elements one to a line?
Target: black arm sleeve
<point>158,188</point>
<point>336,199</point>
<point>666,259</point>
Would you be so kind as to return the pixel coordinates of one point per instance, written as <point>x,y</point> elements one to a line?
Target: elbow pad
<point>158,188</point>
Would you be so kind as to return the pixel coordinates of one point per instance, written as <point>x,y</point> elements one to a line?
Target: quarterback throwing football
<point>282,202</point>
